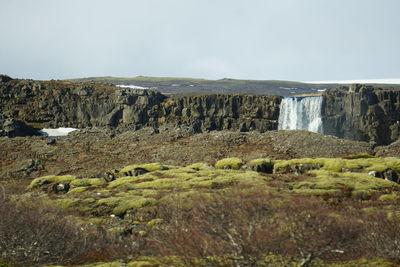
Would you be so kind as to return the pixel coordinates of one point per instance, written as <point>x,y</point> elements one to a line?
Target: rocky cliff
<point>357,112</point>
<point>363,113</point>
<point>221,112</point>
<point>60,103</point>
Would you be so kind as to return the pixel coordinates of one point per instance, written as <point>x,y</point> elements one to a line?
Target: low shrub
<point>39,234</point>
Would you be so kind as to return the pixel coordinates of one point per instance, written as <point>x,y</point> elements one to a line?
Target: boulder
<point>13,128</point>
<point>4,78</point>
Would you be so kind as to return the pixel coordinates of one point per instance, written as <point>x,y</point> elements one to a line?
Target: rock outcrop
<point>223,112</point>
<point>59,103</point>
<point>363,113</point>
<point>358,112</point>
<point>12,128</point>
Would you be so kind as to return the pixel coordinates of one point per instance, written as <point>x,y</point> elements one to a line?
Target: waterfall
<point>301,113</point>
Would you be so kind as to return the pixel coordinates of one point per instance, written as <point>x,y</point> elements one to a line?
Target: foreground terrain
<point>90,152</point>
<point>155,179</point>
<point>173,198</point>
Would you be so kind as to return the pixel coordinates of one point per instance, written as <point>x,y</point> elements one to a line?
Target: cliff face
<point>59,103</point>
<point>362,113</point>
<point>221,112</point>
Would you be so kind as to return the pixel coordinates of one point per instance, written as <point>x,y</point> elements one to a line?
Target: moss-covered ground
<point>129,203</point>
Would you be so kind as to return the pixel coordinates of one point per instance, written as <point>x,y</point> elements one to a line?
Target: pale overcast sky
<point>303,40</point>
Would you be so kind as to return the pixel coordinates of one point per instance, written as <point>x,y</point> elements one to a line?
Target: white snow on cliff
<point>383,81</point>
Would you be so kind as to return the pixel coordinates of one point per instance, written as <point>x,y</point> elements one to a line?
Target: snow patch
<point>58,132</point>
<point>133,86</point>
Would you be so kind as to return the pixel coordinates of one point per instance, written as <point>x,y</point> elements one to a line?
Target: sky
<point>299,40</point>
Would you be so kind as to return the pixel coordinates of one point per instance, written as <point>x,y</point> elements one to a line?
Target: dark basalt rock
<point>358,112</point>
<point>66,104</point>
<point>362,113</point>
<point>388,174</point>
<point>4,78</point>
<point>13,128</point>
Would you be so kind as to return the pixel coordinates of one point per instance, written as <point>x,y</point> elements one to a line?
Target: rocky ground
<point>392,150</point>
<point>172,212</point>
<point>90,152</point>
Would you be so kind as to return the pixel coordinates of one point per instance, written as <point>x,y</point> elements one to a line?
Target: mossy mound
<point>229,163</point>
<point>199,166</point>
<point>86,182</point>
<point>340,164</point>
<point>333,182</point>
<point>267,260</point>
<point>127,204</point>
<point>131,194</point>
<point>150,167</point>
<point>261,165</point>
<point>51,179</point>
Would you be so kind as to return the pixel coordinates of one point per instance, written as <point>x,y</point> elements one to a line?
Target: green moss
<point>149,192</point>
<point>232,163</point>
<point>148,167</point>
<point>5,264</point>
<point>110,201</point>
<point>183,172</point>
<point>134,203</point>
<point>140,263</point>
<point>96,221</point>
<point>67,202</point>
<point>200,166</point>
<point>102,192</point>
<point>116,230</point>
<point>355,181</point>
<point>128,180</point>
<point>389,197</point>
<point>381,164</point>
<point>86,182</point>
<point>360,184</point>
<point>370,210</point>
<point>339,164</point>
<point>364,263</point>
<point>50,179</point>
<point>77,190</point>
<point>166,183</point>
<point>316,192</point>
<point>154,222</point>
<point>260,161</point>
<point>186,178</point>
<point>284,163</point>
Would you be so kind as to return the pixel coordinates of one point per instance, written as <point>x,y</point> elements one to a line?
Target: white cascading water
<point>301,113</point>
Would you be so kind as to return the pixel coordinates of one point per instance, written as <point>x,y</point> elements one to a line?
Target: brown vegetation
<point>246,224</point>
<point>37,234</point>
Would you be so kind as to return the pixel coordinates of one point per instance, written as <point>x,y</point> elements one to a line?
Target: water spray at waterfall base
<point>301,113</point>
